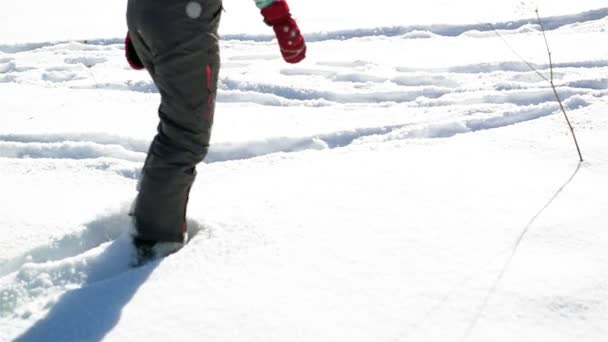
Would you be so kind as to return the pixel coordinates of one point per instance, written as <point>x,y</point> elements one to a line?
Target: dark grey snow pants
<point>177,42</point>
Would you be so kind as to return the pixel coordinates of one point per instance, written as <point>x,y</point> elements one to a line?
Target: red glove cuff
<point>276,13</point>
<point>291,41</point>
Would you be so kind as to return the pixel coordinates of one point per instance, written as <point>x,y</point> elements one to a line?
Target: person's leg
<point>178,43</point>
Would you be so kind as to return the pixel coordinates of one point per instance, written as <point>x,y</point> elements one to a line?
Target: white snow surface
<point>412,180</point>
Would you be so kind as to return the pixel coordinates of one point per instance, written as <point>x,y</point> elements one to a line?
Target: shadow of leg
<point>90,312</point>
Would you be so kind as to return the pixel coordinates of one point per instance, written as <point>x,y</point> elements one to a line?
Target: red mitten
<point>291,41</point>
<point>131,54</point>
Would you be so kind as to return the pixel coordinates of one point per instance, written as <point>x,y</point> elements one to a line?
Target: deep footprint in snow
<point>94,234</point>
<point>103,250</point>
<point>36,284</point>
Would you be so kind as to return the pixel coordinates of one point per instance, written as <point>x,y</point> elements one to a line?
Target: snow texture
<point>412,180</point>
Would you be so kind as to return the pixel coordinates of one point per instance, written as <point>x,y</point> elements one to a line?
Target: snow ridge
<point>427,31</point>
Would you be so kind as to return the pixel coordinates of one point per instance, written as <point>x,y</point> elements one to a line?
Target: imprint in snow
<point>509,66</point>
<point>308,72</point>
<point>93,234</point>
<point>73,46</point>
<point>237,96</point>
<point>8,78</point>
<point>353,64</point>
<point>532,77</point>
<point>506,86</point>
<point>33,282</point>
<point>576,102</point>
<point>419,35</point>
<point>101,251</point>
<point>597,84</point>
<point>359,78</point>
<point>86,61</point>
<point>572,308</point>
<point>493,67</point>
<point>142,86</point>
<point>16,48</point>
<point>9,66</point>
<point>84,45</point>
<point>251,149</point>
<point>450,128</point>
<point>300,94</point>
<point>123,168</point>
<point>522,98</point>
<point>527,28</point>
<point>61,76</point>
<point>529,97</point>
<point>416,80</point>
<point>139,86</point>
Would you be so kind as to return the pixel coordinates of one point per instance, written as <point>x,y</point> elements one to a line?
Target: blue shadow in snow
<point>89,313</point>
<point>92,311</point>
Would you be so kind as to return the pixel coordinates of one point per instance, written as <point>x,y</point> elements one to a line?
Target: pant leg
<point>181,52</point>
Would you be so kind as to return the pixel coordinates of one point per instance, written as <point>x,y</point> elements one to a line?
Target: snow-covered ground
<point>412,180</point>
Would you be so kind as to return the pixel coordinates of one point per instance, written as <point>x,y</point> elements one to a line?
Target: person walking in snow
<point>177,42</point>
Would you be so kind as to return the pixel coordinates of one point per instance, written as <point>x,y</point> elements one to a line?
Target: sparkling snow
<point>411,180</point>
